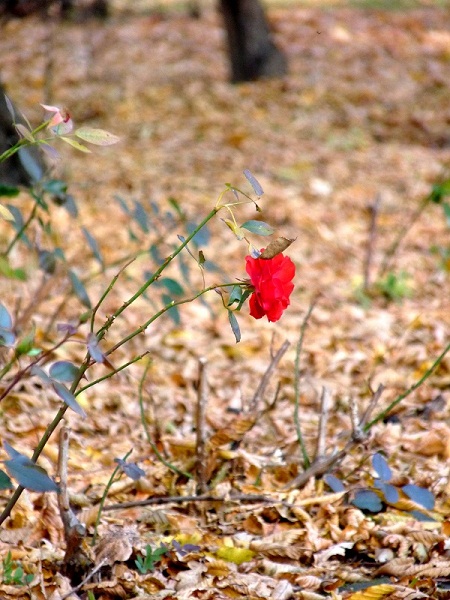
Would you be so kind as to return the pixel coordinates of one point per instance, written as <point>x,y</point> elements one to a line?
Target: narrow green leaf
<point>24,132</point>
<point>235,295</point>
<point>140,216</point>
<point>26,345</point>
<point>93,245</point>
<point>79,289</point>
<point>173,312</point>
<point>8,190</point>
<point>94,348</point>
<point>10,107</point>
<point>172,286</point>
<point>234,326</point>
<point>253,182</point>
<point>38,372</point>
<point>68,398</point>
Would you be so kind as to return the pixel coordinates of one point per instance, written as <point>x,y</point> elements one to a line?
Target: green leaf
<point>419,495</point>
<point>5,481</point>
<point>234,326</point>
<point>172,286</point>
<point>93,245</point>
<point>94,348</point>
<point>75,144</point>
<point>258,227</point>
<point>99,137</point>
<point>38,372</point>
<point>26,345</point>
<point>140,216</point>
<point>173,311</point>
<point>234,228</point>
<point>335,483</point>
<point>68,398</point>
<point>8,190</point>
<point>47,261</point>
<point>367,500</point>
<point>63,371</point>
<point>55,186</point>
<point>79,290</point>
<point>27,473</point>
<point>24,132</point>
<point>439,191</point>
<point>7,337</point>
<point>235,295</point>
<point>176,206</point>
<point>446,209</point>
<point>380,465</point>
<point>5,318</point>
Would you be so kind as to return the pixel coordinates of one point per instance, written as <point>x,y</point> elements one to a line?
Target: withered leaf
<point>276,247</point>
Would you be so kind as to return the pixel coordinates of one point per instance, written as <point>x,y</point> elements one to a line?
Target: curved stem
<point>173,304</point>
<point>411,389</point>
<point>101,332</point>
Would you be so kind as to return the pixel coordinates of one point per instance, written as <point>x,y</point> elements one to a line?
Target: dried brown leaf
<point>117,545</point>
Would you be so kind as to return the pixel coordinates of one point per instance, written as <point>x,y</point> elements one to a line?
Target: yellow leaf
<point>75,144</point>
<point>5,213</point>
<point>375,592</point>
<point>235,555</point>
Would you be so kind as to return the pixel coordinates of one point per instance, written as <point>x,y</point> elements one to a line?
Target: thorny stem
<point>108,289</point>
<point>101,332</point>
<point>47,434</point>
<point>411,389</point>
<point>87,362</point>
<point>112,373</point>
<point>172,304</point>
<point>19,375</point>
<point>297,422</point>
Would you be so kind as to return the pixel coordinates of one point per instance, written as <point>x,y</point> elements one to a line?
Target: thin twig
<point>74,531</point>
<point>392,250</point>
<point>89,576</point>
<point>325,403</point>
<point>153,446</point>
<point>298,351</point>
<point>370,408</point>
<point>200,446</point>
<point>158,501</point>
<point>260,390</point>
<point>374,209</point>
<point>358,434</point>
<point>411,389</point>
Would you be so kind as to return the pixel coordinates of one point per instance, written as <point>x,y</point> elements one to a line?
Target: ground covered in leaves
<point>361,121</point>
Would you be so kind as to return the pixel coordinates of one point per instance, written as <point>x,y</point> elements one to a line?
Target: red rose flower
<point>272,280</point>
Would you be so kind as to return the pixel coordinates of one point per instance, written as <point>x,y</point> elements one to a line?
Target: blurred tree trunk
<point>252,52</point>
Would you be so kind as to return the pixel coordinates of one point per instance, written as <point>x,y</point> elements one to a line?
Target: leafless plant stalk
<point>200,448</point>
